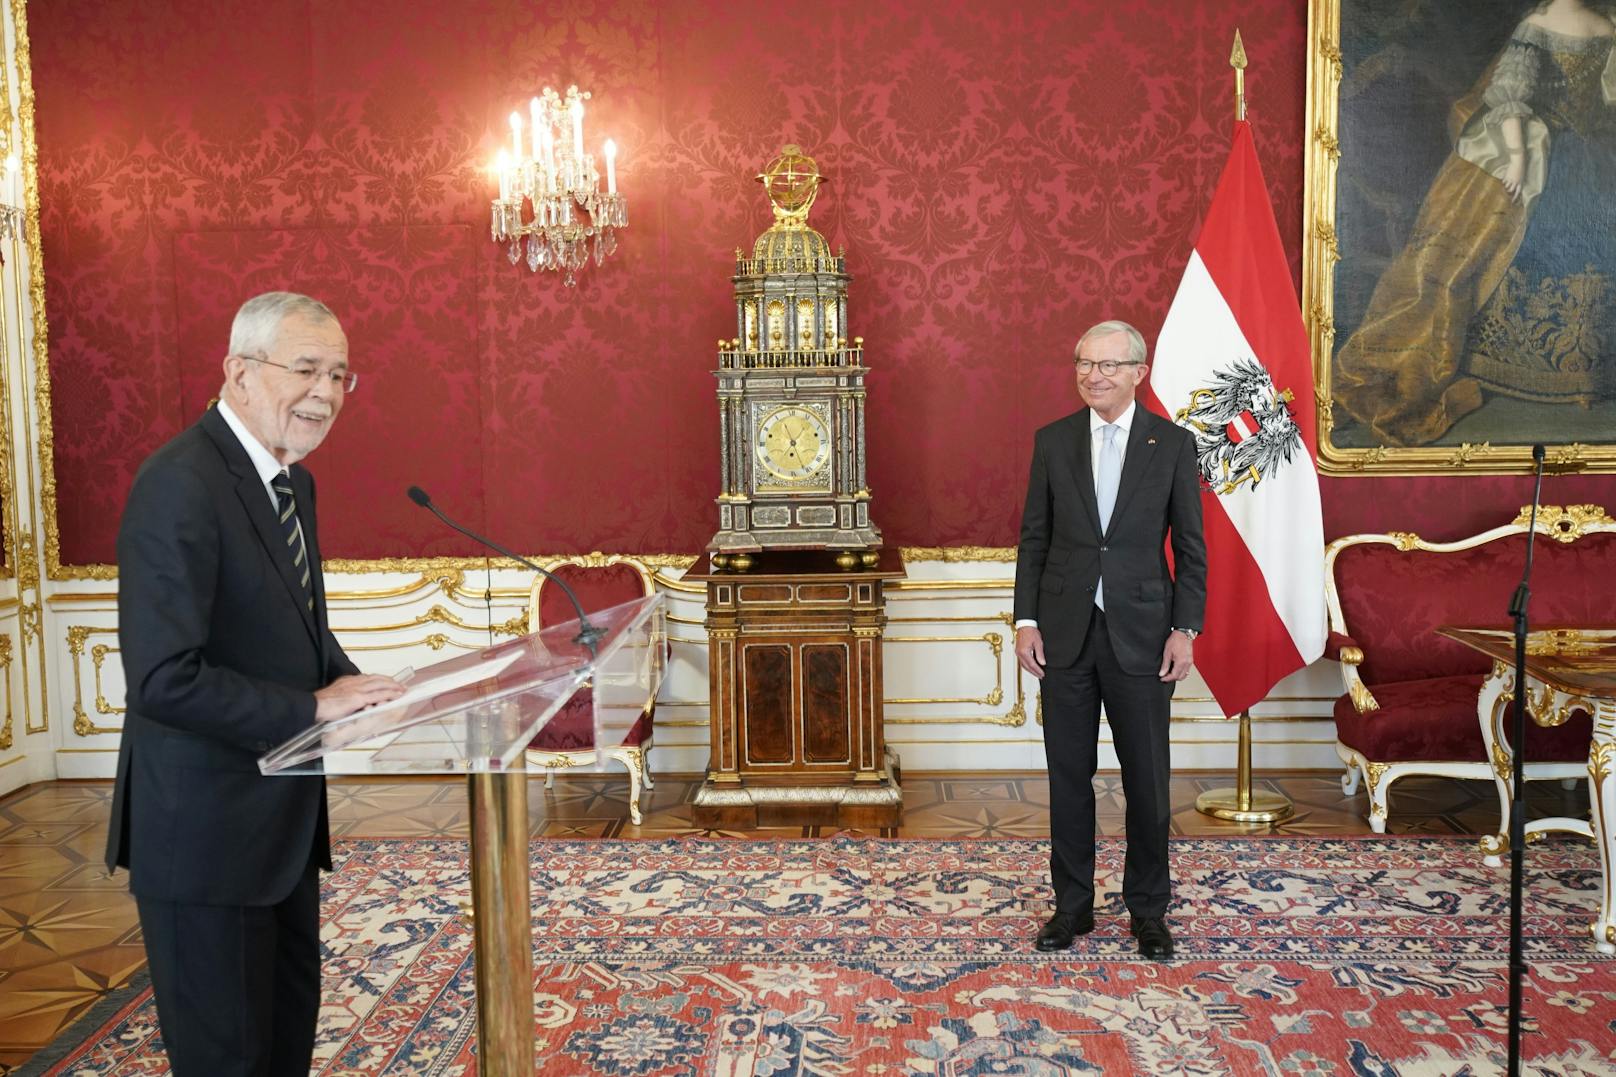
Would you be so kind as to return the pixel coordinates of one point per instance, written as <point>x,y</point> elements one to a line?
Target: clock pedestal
<point>795,678</point>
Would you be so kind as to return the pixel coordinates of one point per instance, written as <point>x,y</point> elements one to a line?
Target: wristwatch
<point>1189,633</point>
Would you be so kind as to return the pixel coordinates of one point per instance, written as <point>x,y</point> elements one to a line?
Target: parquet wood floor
<point>68,933</point>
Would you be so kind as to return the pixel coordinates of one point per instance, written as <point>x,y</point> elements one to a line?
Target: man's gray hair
<point>1136,343</point>
<point>259,319</point>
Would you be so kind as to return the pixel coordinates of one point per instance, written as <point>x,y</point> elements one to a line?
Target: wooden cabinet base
<point>794,677</point>
<point>866,805</point>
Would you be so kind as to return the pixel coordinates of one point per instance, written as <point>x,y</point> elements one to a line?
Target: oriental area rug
<point>858,956</point>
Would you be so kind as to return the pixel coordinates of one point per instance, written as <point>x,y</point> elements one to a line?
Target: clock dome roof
<point>791,246</point>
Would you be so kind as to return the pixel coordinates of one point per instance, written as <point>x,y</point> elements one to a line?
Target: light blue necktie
<point>1105,489</point>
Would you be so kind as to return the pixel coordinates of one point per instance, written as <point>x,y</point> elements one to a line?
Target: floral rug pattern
<point>853,956</point>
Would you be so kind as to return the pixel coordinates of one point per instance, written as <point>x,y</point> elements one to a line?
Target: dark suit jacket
<point>221,659</point>
<point>1063,555</point>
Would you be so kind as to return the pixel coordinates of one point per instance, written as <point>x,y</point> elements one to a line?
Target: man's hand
<point>345,695</point>
<point>1030,650</point>
<point>1177,657</point>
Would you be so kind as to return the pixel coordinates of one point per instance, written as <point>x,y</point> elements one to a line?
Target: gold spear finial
<point>1237,60</point>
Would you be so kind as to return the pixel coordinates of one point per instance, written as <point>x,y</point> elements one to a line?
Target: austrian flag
<point>1233,368</point>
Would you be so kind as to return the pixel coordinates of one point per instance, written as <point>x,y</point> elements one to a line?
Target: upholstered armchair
<point>1413,702</point>
<point>568,740</point>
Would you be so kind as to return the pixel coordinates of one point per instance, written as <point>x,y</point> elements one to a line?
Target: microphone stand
<point>588,634</point>
<point>1517,802</point>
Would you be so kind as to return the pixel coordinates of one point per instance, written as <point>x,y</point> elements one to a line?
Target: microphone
<point>588,633</point>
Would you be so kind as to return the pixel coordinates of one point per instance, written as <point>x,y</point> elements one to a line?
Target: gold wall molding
<point>953,555</point>
<point>6,738</point>
<point>87,598</point>
<point>654,563</point>
<point>995,644</point>
<point>77,635</point>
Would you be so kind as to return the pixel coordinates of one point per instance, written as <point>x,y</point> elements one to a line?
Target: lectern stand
<point>474,715</point>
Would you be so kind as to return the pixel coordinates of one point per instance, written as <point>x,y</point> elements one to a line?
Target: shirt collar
<point>262,461</point>
<point>1124,421</point>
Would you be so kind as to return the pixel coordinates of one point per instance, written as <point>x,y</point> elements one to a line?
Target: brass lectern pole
<point>1241,805</point>
<point>502,923</point>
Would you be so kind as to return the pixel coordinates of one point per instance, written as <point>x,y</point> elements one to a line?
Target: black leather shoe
<point>1155,941</point>
<point>1059,930</point>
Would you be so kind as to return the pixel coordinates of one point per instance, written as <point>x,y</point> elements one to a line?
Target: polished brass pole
<point>502,923</point>
<point>1240,804</point>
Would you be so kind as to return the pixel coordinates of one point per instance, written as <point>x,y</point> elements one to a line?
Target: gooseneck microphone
<point>588,633</point>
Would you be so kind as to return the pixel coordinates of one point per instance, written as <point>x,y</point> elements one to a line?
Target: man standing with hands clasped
<point>227,653</point>
<point>1101,620</point>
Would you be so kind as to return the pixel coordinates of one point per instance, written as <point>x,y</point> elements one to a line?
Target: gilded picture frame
<point>1400,195</point>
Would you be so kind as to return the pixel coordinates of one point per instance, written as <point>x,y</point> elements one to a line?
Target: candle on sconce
<point>610,150</point>
<point>516,136</point>
<point>13,180</point>
<point>502,166</point>
<point>578,128</point>
<point>535,109</point>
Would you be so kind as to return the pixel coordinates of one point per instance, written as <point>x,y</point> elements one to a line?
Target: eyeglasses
<point>1108,367</point>
<point>343,380</point>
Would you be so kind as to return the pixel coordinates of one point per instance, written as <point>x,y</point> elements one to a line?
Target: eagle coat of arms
<point>1243,427</point>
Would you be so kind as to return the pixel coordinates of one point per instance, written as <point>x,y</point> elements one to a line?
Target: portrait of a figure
<point>1475,300</point>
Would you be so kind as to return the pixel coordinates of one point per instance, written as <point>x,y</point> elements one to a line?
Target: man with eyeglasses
<point>1101,620</point>
<point>227,653</point>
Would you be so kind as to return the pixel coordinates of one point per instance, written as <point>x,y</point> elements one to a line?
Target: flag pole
<point>1240,804</point>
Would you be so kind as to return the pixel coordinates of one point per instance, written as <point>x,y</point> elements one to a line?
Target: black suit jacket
<point>221,658</point>
<point>1063,555</point>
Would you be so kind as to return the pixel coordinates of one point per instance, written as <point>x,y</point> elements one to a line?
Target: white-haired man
<point>227,653</point>
<point>1100,619</point>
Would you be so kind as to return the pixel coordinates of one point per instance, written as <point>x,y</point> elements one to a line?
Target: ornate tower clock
<point>791,392</point>
<point>794,633</point>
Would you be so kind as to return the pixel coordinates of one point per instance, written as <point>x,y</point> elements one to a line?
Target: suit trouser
<point>1136,707</point>
<point>238,987</point>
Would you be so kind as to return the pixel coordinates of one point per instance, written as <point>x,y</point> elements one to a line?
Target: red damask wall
<point>1003,176</point>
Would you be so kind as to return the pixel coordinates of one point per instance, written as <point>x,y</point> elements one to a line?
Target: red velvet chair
<point>1413,702</point>
<point>568,740</point>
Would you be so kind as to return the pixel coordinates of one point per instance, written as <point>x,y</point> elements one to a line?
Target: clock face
<point>793,443</point>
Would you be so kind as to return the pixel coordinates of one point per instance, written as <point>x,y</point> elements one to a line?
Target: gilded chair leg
<point>634,760</point>
<point>1378,788</point>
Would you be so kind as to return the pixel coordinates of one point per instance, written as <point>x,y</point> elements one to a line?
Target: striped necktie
<point>286,504</point>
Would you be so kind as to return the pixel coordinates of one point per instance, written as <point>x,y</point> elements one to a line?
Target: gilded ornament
<point>1363,701</point>
<point>5,661</point>
<point>1601,759</point>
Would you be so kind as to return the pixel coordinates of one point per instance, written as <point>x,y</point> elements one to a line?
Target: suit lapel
<point>255,503</point>
<point>1083,467</point>
<point>1141,448</point>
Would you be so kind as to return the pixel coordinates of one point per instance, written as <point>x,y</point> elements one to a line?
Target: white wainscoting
<point>956,701</point>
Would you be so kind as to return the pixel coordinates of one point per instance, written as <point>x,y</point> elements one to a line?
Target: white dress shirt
<point>263,461</point>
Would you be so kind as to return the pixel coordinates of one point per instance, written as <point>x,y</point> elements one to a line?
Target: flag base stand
<point>1240,804</point>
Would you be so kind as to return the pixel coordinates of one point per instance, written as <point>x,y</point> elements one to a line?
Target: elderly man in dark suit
<point>1100,619</point>
<point>226,653</point>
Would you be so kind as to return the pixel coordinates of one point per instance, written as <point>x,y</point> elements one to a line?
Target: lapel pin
<point>1150,441</point>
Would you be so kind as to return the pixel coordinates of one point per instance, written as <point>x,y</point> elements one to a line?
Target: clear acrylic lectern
<point>475,714</point>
